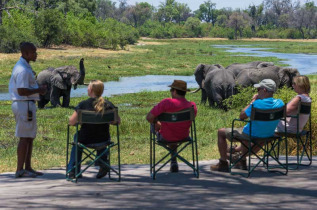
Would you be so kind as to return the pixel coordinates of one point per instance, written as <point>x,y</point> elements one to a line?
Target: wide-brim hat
<point>268,84</point>
<point>179,85</point>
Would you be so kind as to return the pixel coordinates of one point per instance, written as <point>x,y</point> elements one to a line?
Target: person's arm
<point>27,91</point>
<point>150,117</point>
<point>118,122</point>
<point>243,114</point>
<point>292,106</point>
<point>73,119</point>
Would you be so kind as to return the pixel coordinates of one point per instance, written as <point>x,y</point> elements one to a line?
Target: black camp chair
<point>181,116</point>
<point>270,146</point>
<point>303,138</point>
<point>91,117</point>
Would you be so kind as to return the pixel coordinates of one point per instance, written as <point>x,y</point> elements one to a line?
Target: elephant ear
<point>57,81</point>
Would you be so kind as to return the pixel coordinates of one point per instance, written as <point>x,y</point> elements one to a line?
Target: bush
<point>49,27</point>
<point>192,27</point>
<point>81,30</point>
<point>16,29</point>
<point>220,32</point>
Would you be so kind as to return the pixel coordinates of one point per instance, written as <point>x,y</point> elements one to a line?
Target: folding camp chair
<point>303,138</point>
<point>91,117</point>
<point>181,116</point>
<point>269,146</point>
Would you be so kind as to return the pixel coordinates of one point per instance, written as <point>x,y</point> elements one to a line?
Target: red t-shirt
<point>173,131</point>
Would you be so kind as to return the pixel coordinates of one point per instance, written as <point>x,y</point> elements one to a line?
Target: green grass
<point>173,57</point>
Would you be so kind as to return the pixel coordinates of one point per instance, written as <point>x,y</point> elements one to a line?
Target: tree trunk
<point>1,7</point>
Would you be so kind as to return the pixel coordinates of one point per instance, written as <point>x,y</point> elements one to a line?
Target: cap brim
<point>256,85</point>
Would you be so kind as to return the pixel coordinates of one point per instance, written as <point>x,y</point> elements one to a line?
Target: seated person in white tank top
<point>301,86</point>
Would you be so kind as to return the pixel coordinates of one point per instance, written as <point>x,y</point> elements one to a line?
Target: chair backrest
<point>91,117</point>
<point>304,108</point>
<point>180,116</point>
<point>268,115</point>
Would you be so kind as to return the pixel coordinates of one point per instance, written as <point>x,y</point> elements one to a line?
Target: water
<point>138,84</point>
<point>305,63</point>
<point>130,85</point>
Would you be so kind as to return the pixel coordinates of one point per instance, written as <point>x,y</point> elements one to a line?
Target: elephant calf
<point>59,82</point>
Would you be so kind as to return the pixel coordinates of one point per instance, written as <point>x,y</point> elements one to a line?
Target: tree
<point>105,9</point>
<point>206,12</point>
<point>48,27</point>
<point>138,14</point>
<point>255,13</point>
<point>238,21</point>
<point>193,27</point>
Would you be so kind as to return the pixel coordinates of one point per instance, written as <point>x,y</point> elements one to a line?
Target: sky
<point>194,4</point>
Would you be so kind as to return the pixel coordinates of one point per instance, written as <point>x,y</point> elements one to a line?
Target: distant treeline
<point>102,23</point>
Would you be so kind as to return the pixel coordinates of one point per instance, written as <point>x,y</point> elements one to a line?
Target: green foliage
<point>16,29</point>
<point>192,26</point>
<point>240,100</point>
<point>49,27</point>
<point>81,30</point>
<point>114,34</point>
<point>221,32</point>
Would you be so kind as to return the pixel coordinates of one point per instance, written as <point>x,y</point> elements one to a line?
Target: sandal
<point>35,172</point>
<point>24,173</point>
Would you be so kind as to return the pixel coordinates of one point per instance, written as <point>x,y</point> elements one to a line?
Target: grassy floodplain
<point>157,57</point>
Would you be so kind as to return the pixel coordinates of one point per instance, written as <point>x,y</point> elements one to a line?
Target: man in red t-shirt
<point>171,132</point>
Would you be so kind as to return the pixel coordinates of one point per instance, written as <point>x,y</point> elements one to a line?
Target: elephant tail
<point>195,91</point>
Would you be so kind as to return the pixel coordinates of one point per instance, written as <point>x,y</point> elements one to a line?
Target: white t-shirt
<point>22,77</point>
<point>291,123</point>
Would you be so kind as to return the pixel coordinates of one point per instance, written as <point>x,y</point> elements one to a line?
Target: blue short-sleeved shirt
<point>259,128</point>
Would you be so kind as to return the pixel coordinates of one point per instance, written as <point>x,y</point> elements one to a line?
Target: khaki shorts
<point>237,134</point>
<point>24,128</point>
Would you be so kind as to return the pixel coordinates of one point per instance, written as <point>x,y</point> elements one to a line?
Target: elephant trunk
<point>195,91</point>
<point>81,79</point>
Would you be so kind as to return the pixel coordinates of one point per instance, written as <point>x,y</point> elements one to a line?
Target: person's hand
<point>157,126</point>
<point>42,89</point>
<point>255,96</point>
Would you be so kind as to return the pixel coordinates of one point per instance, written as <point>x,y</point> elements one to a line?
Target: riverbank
<point>149,57</point>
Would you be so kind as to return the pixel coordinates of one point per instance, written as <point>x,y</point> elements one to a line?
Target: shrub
<point>16,29</point>
<point>192,26</point>
<point>81,30</point>
<point>49,27</point>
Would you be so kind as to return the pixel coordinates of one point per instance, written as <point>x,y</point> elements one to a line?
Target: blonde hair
<point>303,83</point>
<point>97,88</point>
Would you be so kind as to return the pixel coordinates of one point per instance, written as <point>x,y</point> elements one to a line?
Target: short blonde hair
<point>97,88</point>
<point>303,83</point>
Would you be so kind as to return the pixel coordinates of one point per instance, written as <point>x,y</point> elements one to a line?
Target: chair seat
<point>97,146</point>
<point>257,139</point>
<point>164,141</point>
<point>292,135</point>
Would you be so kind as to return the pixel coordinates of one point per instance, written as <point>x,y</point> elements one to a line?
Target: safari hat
<point>267,84</point>
<point>179,85</point>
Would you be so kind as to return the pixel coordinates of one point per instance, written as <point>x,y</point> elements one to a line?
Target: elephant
<point>215,82</point>
<point>237,67</point>
<point>280,75</point>
<point>200,74</point>
<point>59,82</point>
<point>219,85</point>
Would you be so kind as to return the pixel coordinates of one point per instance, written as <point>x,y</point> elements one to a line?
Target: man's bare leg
<point>28,158</point>
<point>222,144</point>
<point>22,152</point>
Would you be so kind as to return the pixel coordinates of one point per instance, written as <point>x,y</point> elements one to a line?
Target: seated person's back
<point>93,133</point>
<point>173,131</point>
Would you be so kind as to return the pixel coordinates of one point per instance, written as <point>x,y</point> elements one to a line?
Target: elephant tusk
<point>195,91</point>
